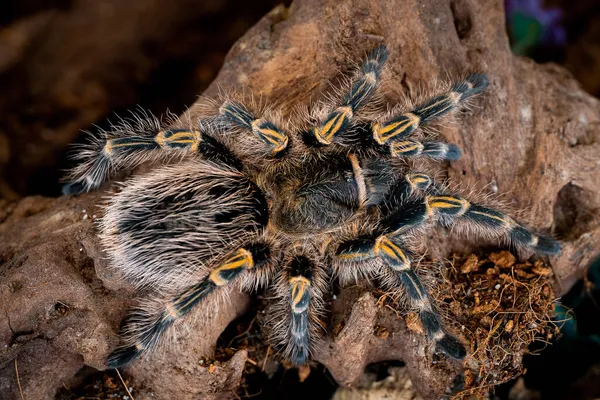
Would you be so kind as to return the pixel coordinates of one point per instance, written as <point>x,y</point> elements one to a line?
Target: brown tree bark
<point>534,135</point>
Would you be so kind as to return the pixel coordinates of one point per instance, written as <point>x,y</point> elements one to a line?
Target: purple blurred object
<point>552,33</point>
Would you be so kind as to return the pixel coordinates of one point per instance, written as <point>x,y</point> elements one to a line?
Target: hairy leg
<point>146,325</point>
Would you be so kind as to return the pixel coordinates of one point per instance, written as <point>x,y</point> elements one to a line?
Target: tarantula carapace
<point>249,199</point>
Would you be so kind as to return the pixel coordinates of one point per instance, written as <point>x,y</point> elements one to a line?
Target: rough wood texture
<point>534,135</point>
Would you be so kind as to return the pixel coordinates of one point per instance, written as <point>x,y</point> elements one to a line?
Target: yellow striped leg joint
<point>406,148</point>
<point>419,181</point>
<point>270,134</point>
<point>396,128</point>
<point>336,121</point>
<point>300,294</point>
<point>392,254</point>
<point>447,205</point>
<point>178,139</point>
<point>224,273</point>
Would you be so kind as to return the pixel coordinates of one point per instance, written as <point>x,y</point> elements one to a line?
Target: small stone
<point>503,259</point>
<point>414,323</point>
<point>470,264</point>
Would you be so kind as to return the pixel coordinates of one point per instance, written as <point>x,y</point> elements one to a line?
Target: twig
<point>18,380</point>
<point>266,358</point>
<point>243,333</point>
<point>123,382</point>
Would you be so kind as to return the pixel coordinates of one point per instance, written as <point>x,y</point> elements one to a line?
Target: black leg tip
<point>73,188</point>
<point>379,54</point>
<point>452,347</point>
<point>453,153</point>
<point>479,81</point>
<point>122,356</point>
<point>547,245</point>
<point>299,358</point>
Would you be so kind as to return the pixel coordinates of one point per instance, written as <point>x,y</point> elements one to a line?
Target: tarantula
<point>254,200</point>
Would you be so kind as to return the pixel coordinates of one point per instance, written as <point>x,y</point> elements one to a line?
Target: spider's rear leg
<point>275,139</point>
<point>357,96</point>
<point>300,297</point>
<point>145,326</point>
<point>127,150</point>
<point>395,271</point>
<point>454,211</point>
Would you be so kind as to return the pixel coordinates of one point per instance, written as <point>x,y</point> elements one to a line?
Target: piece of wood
<point>533,135</point>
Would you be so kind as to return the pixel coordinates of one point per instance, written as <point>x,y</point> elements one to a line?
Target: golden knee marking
<point>188,138</point>
<point>299,286</point>
<point>270,135</point>
<point>415,180</point>
<point>384,132</point>
<point>242,259</point>
<point>447,202</point>
<point>408,146</point>
<point>160,139</point>
<point>325,133</point>
<point>383,245</point>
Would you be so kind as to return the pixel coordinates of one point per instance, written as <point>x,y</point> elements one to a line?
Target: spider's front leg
<point>454,211</point>
<point>274,139</point>
<point>361,90</point>
<point>128,145</point>
<point>394,133</point>
<point>145,325</point>
<point>394,270</point>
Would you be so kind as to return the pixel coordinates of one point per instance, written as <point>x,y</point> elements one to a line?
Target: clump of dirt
<point>500,306</point>
<point>266,374</point>
<point>99,385</point>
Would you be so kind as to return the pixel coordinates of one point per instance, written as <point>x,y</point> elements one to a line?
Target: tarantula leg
<point>145,326</point>
<point>237,114</point>
<point>401,191</point>
<point>434,150</point>
<point>299,282</point>
<point>130,152</point>
<point>360,92</point>
<point>397,272</point>
<point>399,127</point>
<point>449,210</point>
